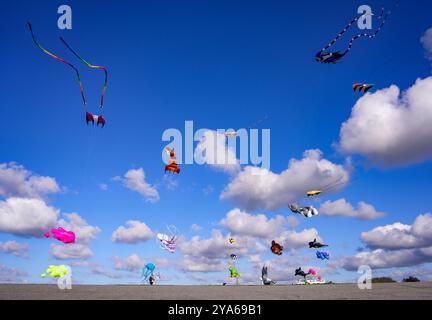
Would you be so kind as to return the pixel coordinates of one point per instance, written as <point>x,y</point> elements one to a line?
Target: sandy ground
<point>416,291</point>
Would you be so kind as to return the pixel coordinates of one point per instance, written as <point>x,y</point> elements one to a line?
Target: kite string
<point>61,60</point>
<point>91,66</point>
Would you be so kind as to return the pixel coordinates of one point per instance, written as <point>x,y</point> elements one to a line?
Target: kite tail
<point>367,35</point>
<point>340,34</point>
<point>91,66</point>
<point>61,60</point>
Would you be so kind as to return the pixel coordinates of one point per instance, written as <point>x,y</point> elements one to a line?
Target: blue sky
<point>221,64</point>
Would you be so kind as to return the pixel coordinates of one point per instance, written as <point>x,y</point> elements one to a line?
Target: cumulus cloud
<point>26,217</point>
<point>426,41</point>
<point>14,248</point>
<point>401,236</point>
<point>196,227</point>
<point>341,207</point>
<point>71,251</point>
<point>134,232</point>
<point>130,263</point>
<point>243,223</point>
<point>213,150</point>
<point>293,239</point>
<point>83,231</point>
<point>255,187</point>
<point>383,259</point>
<point>16,181</point>
<point>390,128</point>
<point>11,275</point>
<point>134,179</point>
<point>201,264</point>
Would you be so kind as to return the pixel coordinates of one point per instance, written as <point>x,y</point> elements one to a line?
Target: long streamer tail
<point>61,60</point>
<point>91,66</point>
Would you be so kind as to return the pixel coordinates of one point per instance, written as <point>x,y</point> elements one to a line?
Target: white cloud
<point>214,151</point>
<point>196,227</point>
<point>96,269</point>
<point>341,207</point>
<point>426,41</point>
<point>130,263</point>
<point>134,232</point>
<point>70,251</point>
<point>134,179</point>
<point>243,223</point>
<point>201,264</point>
<point>26,217</point>
<point>16,181</point>
<point>292,239</point>
<point>401,236</point>
<point>83,231</point>
<point>14,248</point>
<point>103,186</point>
<point>383,259</point>
<point>255,187</point>
<point>391,129</point>
<point>11,275</point>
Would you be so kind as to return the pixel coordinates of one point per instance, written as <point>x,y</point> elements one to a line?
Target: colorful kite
<point>172,165</point>
<point>362,87</point>
<point>168,242</point>
<point>316,245</point>
<point>61,234</point>
<point>147,271</point>
<point>323,255</point>
<point>56,271</point>
<point>276,248</point>
<point>307,211</point>
<point>264,277</point>
<point>99,119</point>
<point>234,272</point>
<point>332,57</point>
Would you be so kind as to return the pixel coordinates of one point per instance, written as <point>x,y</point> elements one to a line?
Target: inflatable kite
<point>89,117</point>
<point>231,240</point>
<point>264,277</point>
<point>362,87</point>
<point>332,57</point>
<point>233,257</point>
<point>301,273</point>
<point>276,248</point>
<point>233,272</point>
<point>307,211</point>
<point>317,245</point>
<point>168,242</point>
<point>328,187</point>
<point>323,255</point>
<point>147,271</point>
<point>61,234</point>
<point>56,271</point>
<point>172,165</point>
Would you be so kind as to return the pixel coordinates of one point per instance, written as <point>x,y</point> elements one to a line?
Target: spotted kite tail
<point>61,60</point>
<point>91,66</point>
<point>367,35</point>
<point>340,34</point>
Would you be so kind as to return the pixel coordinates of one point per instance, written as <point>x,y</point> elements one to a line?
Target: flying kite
<point>328,187</point>
<point>56,271</point>
<point>307,211</point>
<point>264,277</point>
<point>61,234</point>
<point>332,57</point>
<point>99,119</point>
<point>233,257</point>
<point>301,273</point>
<point>362,87</point>
<point>172,165</point>
<point>147,271</point>
<point>323,255</point>
<point>276,248</point>
<point>316,245</point>
<point>168,242</point>
<point>231,240</point>
<point>234,272</point>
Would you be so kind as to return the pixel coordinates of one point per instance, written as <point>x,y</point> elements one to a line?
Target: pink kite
<point>312,272</point>
<point>61,235</point>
